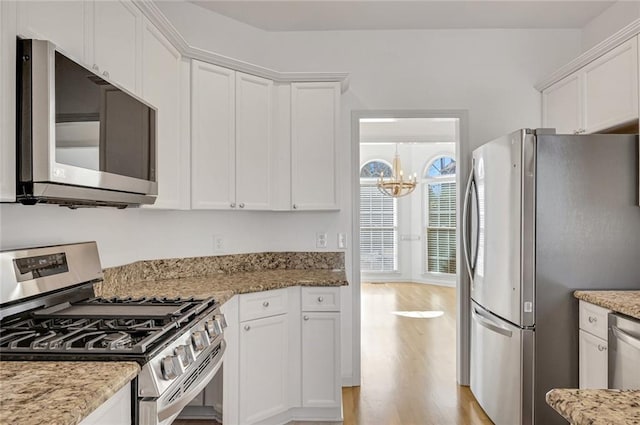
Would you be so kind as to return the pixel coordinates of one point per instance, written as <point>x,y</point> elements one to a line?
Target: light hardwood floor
<point>408,364</point>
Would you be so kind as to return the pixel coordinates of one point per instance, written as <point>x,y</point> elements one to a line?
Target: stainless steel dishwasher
<point>624,352</point>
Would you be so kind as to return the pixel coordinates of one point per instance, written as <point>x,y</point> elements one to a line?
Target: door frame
<point>463,296</point>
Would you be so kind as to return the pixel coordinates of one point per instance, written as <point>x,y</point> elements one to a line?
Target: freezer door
<point>502,368</point>
<point>497,174</point>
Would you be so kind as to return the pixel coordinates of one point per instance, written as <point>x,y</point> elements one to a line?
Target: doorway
<point>394,243</point>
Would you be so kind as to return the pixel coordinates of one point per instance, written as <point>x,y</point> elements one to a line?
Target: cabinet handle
<point>96,68</point>
<point>593,319</point>
<point>576,131</point>
<point>247,327</point>
<point>295,207</point>
<point>265,304</point>
<point>233,205</point>
<point>306,317</point>
<point>602,347</point>
<point>320,299</point>
<point>241,205</point>
<point>105,74</point>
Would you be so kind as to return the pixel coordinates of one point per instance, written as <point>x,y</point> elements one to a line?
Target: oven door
<point>163,410</point>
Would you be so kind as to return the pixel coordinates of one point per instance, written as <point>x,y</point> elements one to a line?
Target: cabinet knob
<point>241,205</point>
<point>247,327</point>
<point>265,304</point>
<point>233,205</point>
<point>306,317</point>
<point>593,319</point>
<point>105,74</point>
<point>320,299</point>
<point>96,68</point>
<point>295,207</point>
<point>602,347</point>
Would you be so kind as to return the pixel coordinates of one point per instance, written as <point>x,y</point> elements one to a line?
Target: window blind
<point>378,230</point>
<point>441,227</point>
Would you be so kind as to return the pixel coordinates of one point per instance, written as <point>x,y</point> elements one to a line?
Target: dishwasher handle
<point>625,337</point>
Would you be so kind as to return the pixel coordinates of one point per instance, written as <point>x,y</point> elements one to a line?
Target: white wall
<point>411,250</point>
<point>609,22</point>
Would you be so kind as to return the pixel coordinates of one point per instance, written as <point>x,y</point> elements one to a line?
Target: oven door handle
<point>625,337</point>
<point>186,397</point>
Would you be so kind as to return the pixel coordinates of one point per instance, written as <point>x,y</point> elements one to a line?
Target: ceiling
<point>314,15</point>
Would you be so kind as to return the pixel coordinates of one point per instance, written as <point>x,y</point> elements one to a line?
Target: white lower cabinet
<point>263,368</point>
<point>282,363</point>
<point>115,411</point>
<point>321,386</point>
<point>593,350</point>
<point>593,361</point>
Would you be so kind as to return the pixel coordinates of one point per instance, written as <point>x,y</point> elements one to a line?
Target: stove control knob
<point>169,367</point>
<point>213,328</point>
<point>221,319</point>
<point>184,354</point>
<point>200,340</point>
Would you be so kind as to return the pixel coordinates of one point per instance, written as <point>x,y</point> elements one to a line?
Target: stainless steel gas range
<point>48,312</point>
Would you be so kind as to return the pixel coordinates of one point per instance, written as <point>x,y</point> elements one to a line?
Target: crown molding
<point>157,18</point>
<point>590,55</point>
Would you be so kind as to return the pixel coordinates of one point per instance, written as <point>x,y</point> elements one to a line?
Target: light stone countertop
<point>596,407</point>
<point>625,302</point>
<point>58,393</point>
<point>223,286</point>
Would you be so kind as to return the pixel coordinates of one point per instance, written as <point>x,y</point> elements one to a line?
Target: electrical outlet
<point>218,243</point>
<point>342,240</point>
<point>321,240</point>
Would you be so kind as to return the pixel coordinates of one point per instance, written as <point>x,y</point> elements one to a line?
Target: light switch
<point>342,240</point>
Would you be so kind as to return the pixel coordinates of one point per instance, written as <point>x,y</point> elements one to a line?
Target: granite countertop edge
<point>625,302</point>
<point>596,406</point>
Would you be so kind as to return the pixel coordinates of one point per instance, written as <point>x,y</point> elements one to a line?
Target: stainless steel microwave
<point>81,140</point>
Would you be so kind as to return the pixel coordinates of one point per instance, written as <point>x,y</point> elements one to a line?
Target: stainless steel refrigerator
<point>544,215</point>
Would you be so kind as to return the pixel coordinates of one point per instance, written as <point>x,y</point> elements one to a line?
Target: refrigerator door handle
<point>465,223</point>
<point>490,324</point>
<point>625,337</point>
<point>477,235</point>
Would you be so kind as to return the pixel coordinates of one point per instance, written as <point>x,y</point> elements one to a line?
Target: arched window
<point>439,182</point>
<point>372,169</point>
<point>378,221</point>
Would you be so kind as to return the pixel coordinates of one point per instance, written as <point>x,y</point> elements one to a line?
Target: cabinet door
<point>321,375</point>
<point>611,88</point>
<point>62,22</point>
<point>593,361</point>
<point>253,141</point>
<point>161,87</point>
<point>116,41</point>
<point>561,105</point>
<point>213,136</point>
<point>263,368</point>
<point>314,129</point>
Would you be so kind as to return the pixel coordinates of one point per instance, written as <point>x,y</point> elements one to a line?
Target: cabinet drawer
<point>593,319</point>
<point>263,304</point>
<point>318,298</point>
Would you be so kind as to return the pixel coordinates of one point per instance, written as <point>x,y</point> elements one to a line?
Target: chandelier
<point>396,186</point>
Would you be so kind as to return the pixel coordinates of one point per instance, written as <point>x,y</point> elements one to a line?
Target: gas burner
<point>115,341</point>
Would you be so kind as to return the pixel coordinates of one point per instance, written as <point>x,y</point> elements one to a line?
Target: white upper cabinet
<point>117,42</point>
<point>212,136</point>
<point>162,69</point>
<point>561,106</point>
<point>611,88</point>
<point>231,138</point>
<point>314,130</point>
<point>65,23</point>
<point>599,96</point>
<point>253,141</point>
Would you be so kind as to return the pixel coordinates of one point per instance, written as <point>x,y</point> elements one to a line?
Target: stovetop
<point>99,326</point>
